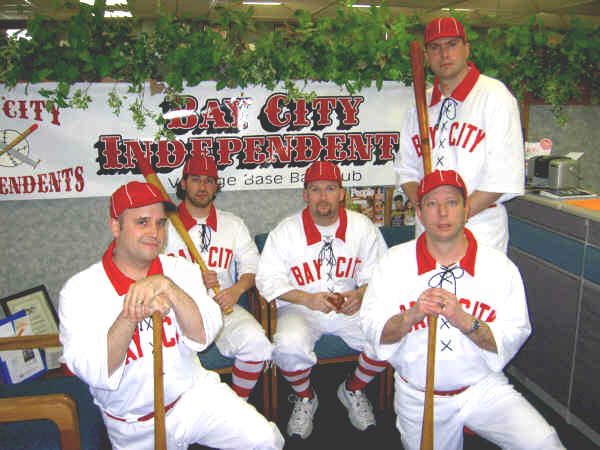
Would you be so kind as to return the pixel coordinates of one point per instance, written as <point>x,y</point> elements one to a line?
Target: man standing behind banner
<point>478,296</point>
<point>476,131</point>
<point>106,330</point>
<point>232,257</point>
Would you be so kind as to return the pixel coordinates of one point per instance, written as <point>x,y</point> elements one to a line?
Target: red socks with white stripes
<point>300,382</point>
<point>365,371</point>
<point>245,376</point>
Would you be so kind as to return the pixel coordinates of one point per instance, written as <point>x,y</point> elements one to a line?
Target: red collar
<point>426,262</point>
<point>119,280</point>
<point>312,232</point>
<point>461,91</point>
<point>188,221</point>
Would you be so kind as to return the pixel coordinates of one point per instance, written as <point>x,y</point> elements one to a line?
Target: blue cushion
<point>43,434</point>
<point>260,240</point>
<point>397,235</point>
<point>212,359</point>
<point>244,301</point>
<point>331,346</point>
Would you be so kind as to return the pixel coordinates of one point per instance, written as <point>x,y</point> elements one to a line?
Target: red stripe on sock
<point>355,384</point>
<point>374,362</point>
<point>370,373</point>
<point>245,375</point>
<point>240,391</point>
<point>308,392</point>
<point>296,373</point>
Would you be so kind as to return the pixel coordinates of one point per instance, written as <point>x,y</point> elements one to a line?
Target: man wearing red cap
<point>231,256</point>
<point>310,256</point>
<point>106,331</point>
<point>474,129</point>
<point>478,296</point>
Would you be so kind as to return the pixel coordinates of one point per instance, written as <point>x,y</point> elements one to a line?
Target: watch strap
<point>475,327</point>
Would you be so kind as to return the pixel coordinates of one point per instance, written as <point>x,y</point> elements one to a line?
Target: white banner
<point>258,138</point>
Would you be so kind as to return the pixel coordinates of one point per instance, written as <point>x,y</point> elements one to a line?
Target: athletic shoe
<point>301,420</point>
<point>360,411</point>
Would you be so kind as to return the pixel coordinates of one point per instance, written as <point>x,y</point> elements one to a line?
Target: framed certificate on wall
<point>41,313</point>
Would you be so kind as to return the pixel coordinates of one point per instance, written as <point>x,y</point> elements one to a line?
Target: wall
<point>45,242</point>
<point>558,256</point>
<point>580,134</point>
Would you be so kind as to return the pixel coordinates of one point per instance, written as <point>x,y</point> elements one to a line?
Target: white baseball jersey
<point>296,256</point>
<point>225,245</point>
<point>488,286</point>
<point>479,135</point>
<point>91,301</point>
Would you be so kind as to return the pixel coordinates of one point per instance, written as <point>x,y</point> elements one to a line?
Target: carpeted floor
<point>332,428</point>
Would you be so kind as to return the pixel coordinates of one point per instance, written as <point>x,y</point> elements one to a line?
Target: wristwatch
<point>475,327</point>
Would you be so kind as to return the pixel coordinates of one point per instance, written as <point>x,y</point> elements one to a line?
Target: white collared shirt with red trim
<point>231,253</point>
<point>483,141</point>
<point>290,258</point>
<point>91,301</point>
<point>488,286</point>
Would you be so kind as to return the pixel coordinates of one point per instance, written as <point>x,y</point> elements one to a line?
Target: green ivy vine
<point>354,49</point>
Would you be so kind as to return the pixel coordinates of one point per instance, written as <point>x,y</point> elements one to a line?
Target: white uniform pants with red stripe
<point>492,408</point>
<point>299,328</point>
<point>210,414</point>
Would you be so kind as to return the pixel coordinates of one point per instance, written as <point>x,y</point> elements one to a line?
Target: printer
<point>553,172</point>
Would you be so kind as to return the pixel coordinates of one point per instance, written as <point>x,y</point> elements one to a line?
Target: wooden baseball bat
<point>159,403</point>
<point>160,436</point>
<point>19,138</point>
<point>418,69</point>
<point>153,179</point>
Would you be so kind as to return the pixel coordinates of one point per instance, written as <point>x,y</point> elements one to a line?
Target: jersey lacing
<point>446,115</point>
<point>326,255</point>
<point>448,275</point>
<point>205,235</point>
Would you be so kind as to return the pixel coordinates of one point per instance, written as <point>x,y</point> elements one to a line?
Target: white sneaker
<point>301,420</point>
<point>360,411</point>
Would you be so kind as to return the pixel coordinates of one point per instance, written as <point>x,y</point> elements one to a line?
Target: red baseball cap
<point>322,170</point>
<point>444,27</point>
<point>200,165</point>
<point>441,178</point>
<point>134,195</point>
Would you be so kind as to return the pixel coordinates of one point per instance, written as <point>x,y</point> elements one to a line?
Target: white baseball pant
<point>492,408</point>
<point>299,328</point>
<point>242,337</point>
<point>209,413</point>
